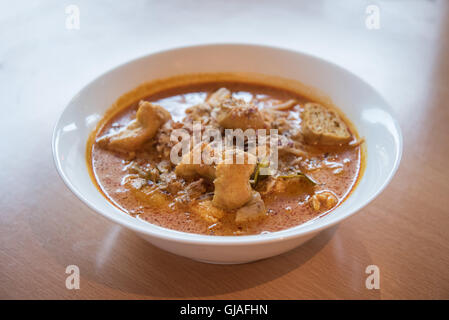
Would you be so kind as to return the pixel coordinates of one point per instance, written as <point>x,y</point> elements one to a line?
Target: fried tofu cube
<point>254,209</point>
<point>323,126</point>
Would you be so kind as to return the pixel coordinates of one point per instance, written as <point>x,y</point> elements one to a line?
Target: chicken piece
<point>149,119</point>
<point>207,211</point>
<point>252,210</point>
<point>323,126</point>
<point>238,114</point>
<point>218,97</point>
<point>323,201</point>
<point>232,186</point>
<point>188,169</point>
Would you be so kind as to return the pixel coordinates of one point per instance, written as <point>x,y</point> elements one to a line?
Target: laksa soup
<point>225,154</point>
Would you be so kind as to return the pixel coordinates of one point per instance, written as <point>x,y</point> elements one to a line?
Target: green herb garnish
<point>298,175</point>
<point>256,177</point>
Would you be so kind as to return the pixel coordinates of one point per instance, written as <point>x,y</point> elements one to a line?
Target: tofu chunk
<point>323,126</point>
<point>252,210</point>
<point>149,119</point>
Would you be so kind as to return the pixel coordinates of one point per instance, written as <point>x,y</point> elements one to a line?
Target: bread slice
<point>321,125</point>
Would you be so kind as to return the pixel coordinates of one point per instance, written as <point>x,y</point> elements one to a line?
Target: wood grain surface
<point>44,227</point>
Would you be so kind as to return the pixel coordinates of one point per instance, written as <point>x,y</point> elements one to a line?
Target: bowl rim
<point>193,238</point>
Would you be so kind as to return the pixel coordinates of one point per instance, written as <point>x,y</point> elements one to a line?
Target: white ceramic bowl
<point>361,103</point>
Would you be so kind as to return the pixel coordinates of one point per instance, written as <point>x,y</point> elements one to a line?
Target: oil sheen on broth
<point>312,179</point>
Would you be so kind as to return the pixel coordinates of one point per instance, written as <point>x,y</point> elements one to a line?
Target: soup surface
<point>319,159</point>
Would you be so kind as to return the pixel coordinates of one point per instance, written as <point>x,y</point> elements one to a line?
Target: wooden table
<point>44,228</point>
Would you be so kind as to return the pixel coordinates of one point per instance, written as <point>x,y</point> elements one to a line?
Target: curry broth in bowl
<point>320,158</point>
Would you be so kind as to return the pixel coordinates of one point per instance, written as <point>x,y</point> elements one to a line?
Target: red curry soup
<point>318,153</point>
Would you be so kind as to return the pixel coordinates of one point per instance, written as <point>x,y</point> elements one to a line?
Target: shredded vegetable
<point>298,175</point>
